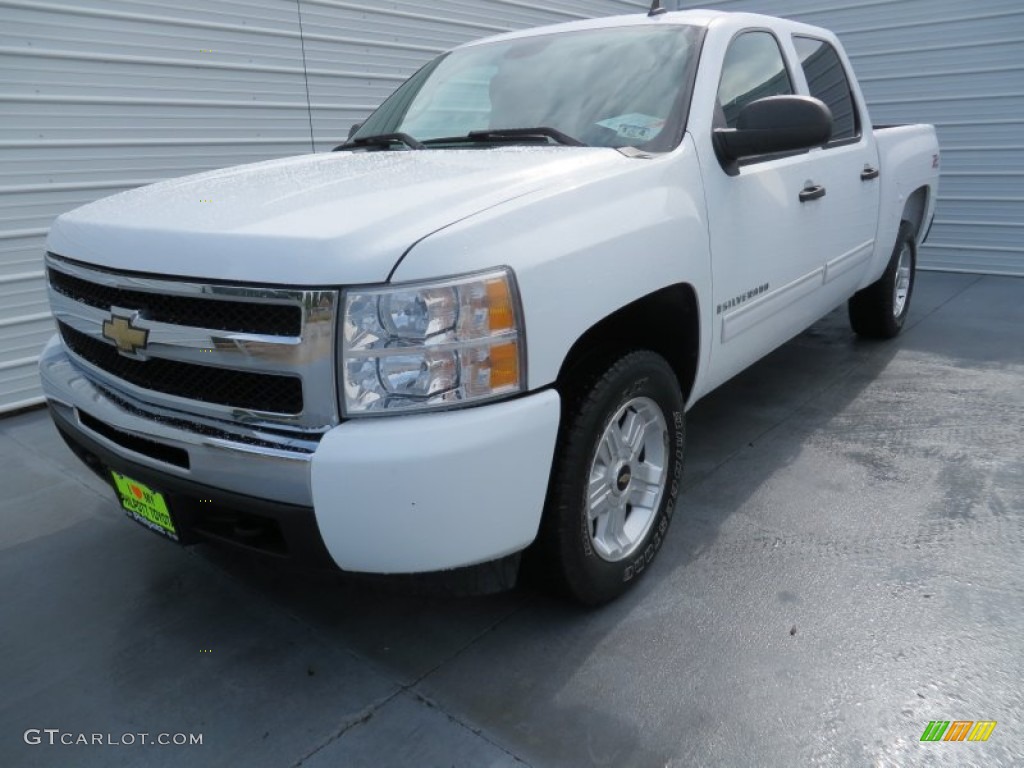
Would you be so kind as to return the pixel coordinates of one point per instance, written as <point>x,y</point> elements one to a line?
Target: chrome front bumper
<point>257,463</point>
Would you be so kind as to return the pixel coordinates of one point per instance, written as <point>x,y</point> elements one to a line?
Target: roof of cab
<point>695,17</point>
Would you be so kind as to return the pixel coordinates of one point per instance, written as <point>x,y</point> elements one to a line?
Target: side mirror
<point>355,127</point>
<point>774,124</point>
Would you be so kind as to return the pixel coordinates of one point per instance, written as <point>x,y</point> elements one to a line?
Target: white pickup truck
<point>473,330</point>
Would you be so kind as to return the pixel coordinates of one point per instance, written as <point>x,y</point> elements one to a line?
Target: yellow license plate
<point>145,505</point>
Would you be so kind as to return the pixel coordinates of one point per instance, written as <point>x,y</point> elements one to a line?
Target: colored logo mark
<point>958,730</point>
<point>128,337</point>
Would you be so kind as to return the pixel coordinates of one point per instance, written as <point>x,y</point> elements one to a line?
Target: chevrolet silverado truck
<point>467,338</point>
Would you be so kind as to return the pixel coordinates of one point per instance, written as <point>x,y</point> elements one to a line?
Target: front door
<point>766,223</point>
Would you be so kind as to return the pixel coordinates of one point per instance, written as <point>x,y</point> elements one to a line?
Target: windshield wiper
<point>540,133</point>
<point>381,140</point>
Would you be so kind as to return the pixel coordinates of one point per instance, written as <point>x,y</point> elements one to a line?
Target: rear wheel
<point>880,310</point>
<point>616,477</point>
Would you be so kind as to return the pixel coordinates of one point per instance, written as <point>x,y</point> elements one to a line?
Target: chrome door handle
<point>812,193</point>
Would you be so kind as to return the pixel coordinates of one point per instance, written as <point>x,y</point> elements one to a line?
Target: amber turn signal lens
<point>504,365</point>
<point>499,306</point>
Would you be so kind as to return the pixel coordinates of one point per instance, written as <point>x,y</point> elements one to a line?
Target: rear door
<point>846,168</point>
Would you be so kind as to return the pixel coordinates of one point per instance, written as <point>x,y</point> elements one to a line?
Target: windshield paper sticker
<point>634,126</point>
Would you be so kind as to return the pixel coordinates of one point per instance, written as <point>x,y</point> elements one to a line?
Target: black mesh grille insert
<point>215,314</point>
<point>168,453</point>
<point>237,389</point>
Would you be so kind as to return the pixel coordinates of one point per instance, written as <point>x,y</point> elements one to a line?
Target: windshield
<point>612,87</point>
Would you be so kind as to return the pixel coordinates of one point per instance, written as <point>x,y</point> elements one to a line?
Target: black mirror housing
<point>353,128</point>
<point>774,124</point>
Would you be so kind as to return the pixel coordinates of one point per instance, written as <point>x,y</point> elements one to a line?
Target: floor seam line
<point>479,732</point>
<point>472,641</point>
<point>836,379</point>
<point>407,688</point>
<point>956,295</point>
<point>364,716</point>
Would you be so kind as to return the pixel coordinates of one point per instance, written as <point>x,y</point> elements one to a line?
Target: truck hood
<point>326,219</point>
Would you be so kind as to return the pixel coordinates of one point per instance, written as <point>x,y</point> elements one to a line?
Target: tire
<point>879,311</point>
<point>611,498</point>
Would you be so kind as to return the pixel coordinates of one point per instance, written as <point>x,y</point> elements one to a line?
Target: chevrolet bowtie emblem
<point>128,338</point>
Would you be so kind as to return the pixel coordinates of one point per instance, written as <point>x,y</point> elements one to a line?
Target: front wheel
<point>880,310</point>
<point>616,477</point>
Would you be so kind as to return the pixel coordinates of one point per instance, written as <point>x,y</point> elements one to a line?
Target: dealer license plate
<point>145,505</point>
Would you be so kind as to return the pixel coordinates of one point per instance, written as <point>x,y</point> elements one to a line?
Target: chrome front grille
<point>266,392</point>
<point>221,315</point>
<point>261,356</point>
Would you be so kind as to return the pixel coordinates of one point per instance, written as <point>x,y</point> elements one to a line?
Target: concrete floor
<point>845,566</point>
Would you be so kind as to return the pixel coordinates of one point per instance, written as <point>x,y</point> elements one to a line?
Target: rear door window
<point>827,81</point>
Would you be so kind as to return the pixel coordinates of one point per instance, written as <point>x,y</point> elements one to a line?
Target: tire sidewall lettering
<point>640,373</point>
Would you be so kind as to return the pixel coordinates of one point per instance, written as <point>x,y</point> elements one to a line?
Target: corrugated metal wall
<point>97,96</point>
<point>957,65</point>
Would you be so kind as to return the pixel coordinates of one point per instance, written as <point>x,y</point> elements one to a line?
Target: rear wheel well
<point>666,322</point>
<point>913,211</point>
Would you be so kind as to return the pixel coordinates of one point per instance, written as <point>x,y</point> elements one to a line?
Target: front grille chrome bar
<point>216,359</point>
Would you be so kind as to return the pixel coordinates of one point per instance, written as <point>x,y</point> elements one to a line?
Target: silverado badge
<point>128,338</point>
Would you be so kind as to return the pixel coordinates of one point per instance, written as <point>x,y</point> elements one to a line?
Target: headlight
<point>429,345</point>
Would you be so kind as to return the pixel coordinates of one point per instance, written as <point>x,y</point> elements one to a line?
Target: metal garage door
<point>98,96</point>
<point>957,65</point>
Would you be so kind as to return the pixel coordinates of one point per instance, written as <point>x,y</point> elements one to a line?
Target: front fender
<point>583,250</point>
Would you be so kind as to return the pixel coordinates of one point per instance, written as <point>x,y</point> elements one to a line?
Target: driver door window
<point>753,68</point>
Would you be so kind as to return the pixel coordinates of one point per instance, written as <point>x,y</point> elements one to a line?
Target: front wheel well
<point>666,322</point>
